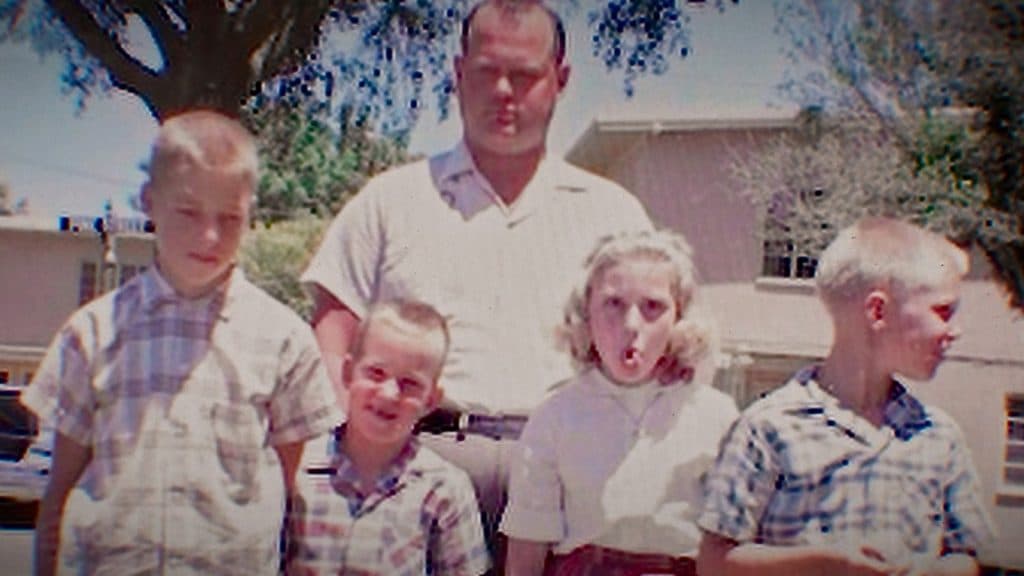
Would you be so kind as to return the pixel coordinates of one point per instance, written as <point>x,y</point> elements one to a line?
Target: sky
<point>65,162</point>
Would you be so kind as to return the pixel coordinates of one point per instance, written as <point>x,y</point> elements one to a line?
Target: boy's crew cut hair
<point>878,252</point>
<point>207,140</point>
<point>402,312</point>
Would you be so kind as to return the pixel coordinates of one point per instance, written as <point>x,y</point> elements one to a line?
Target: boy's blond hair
<point>206,140</point>
<point>692,335</point>
<point>402,312</point>
<point>889,254</point>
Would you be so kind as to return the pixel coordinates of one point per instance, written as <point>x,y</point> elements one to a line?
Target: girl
<point>607,475</point>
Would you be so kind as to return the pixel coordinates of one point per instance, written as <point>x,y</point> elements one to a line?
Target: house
<point>769,317</point>
<point>51,266</point>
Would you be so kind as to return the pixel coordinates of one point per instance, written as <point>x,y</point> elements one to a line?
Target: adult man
<point>491,233</point>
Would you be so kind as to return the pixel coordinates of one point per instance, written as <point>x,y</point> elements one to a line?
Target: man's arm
<point>69,461</point>
<point>725,557</point>
<point>335,326</point>
<point>525,557</point>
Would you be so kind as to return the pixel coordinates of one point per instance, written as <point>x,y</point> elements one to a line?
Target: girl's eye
<point>654,307</point>
<point>187,212</point>
<point>613,303</point>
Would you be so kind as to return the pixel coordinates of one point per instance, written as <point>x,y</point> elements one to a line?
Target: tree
<point>943,81</point>
<point>377,54</point>
<point>309,168</point>
<point>829,171</point>
<point>274,257</point>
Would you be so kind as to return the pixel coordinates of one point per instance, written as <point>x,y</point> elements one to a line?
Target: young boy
<point>843,470</point>
<point>181,401</point>
<point>381,503</point>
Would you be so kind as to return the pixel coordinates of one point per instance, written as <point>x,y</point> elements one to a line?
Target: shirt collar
<point>463,187</point>
<point>604,385</point>
<point>156,292</point>
<point>345,477</point>
<point>903,413</point>
<point>456,165</point>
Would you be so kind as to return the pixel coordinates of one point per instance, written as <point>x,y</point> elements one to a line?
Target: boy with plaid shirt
<point>181,401</point>
<point>379,503</point>
<point>843,470</point>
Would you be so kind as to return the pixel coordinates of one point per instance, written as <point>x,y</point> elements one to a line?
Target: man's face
<point>508,81</point>
<point>392,383</point>
<point>200,218</point>
<point>922,328</point>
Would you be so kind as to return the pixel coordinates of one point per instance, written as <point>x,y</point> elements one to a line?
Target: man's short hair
<point>515,7</point>
<point>204,139</point>
<point>886,253</point>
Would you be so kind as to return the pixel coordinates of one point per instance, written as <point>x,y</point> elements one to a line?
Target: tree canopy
<point>310,167</point>
<point>274,257</point>
<point>939,84</point>
<point>384,56</point>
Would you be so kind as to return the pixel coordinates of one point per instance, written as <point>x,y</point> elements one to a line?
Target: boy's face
<point>392,383</point>
<point>200,217</point>
<point>631,313</point>
<point>922,329</point>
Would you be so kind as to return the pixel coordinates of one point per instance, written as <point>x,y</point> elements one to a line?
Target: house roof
<point>610,134</point>
<point>29,223</point>
<point>78,225</point>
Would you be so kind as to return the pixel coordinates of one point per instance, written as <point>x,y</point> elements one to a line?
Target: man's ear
<point>876,308</point>
<point>146,197</point>
<point>563,76</point>
<point>458,63</point>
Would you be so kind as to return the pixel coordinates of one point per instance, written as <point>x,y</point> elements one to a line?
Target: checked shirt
<point>798,469</point>
<point>420,518</point>
<point>180,402</point>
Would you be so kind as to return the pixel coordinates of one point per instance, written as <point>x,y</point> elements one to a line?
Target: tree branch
<point>125,72</point>
<point>161,27</point>
<point>279,34</point>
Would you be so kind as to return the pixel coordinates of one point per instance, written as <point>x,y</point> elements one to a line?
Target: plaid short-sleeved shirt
<point>421,517</point>
<point>798,469</point>
<point>181,402</point>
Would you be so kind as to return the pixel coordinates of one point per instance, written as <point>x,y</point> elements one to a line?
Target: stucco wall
<point>40,282</point>
<point>684,182</point>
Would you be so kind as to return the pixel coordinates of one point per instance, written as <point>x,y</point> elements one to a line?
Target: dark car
<point>25,455</point>
<point>18,426</point>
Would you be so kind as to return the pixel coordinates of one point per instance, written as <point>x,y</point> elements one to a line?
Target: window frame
<point>1011,474</point>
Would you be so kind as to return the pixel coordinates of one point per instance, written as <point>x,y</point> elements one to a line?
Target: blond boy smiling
<point>373,501</point>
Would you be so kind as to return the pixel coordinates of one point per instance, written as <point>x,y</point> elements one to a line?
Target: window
<point>87,282</point>
<point>793,230</point>
<point>784,256</point>
<point>785,259</point>
<point>1013,462</point>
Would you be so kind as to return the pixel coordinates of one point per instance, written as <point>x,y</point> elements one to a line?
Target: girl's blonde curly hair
<point>692,337</point>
